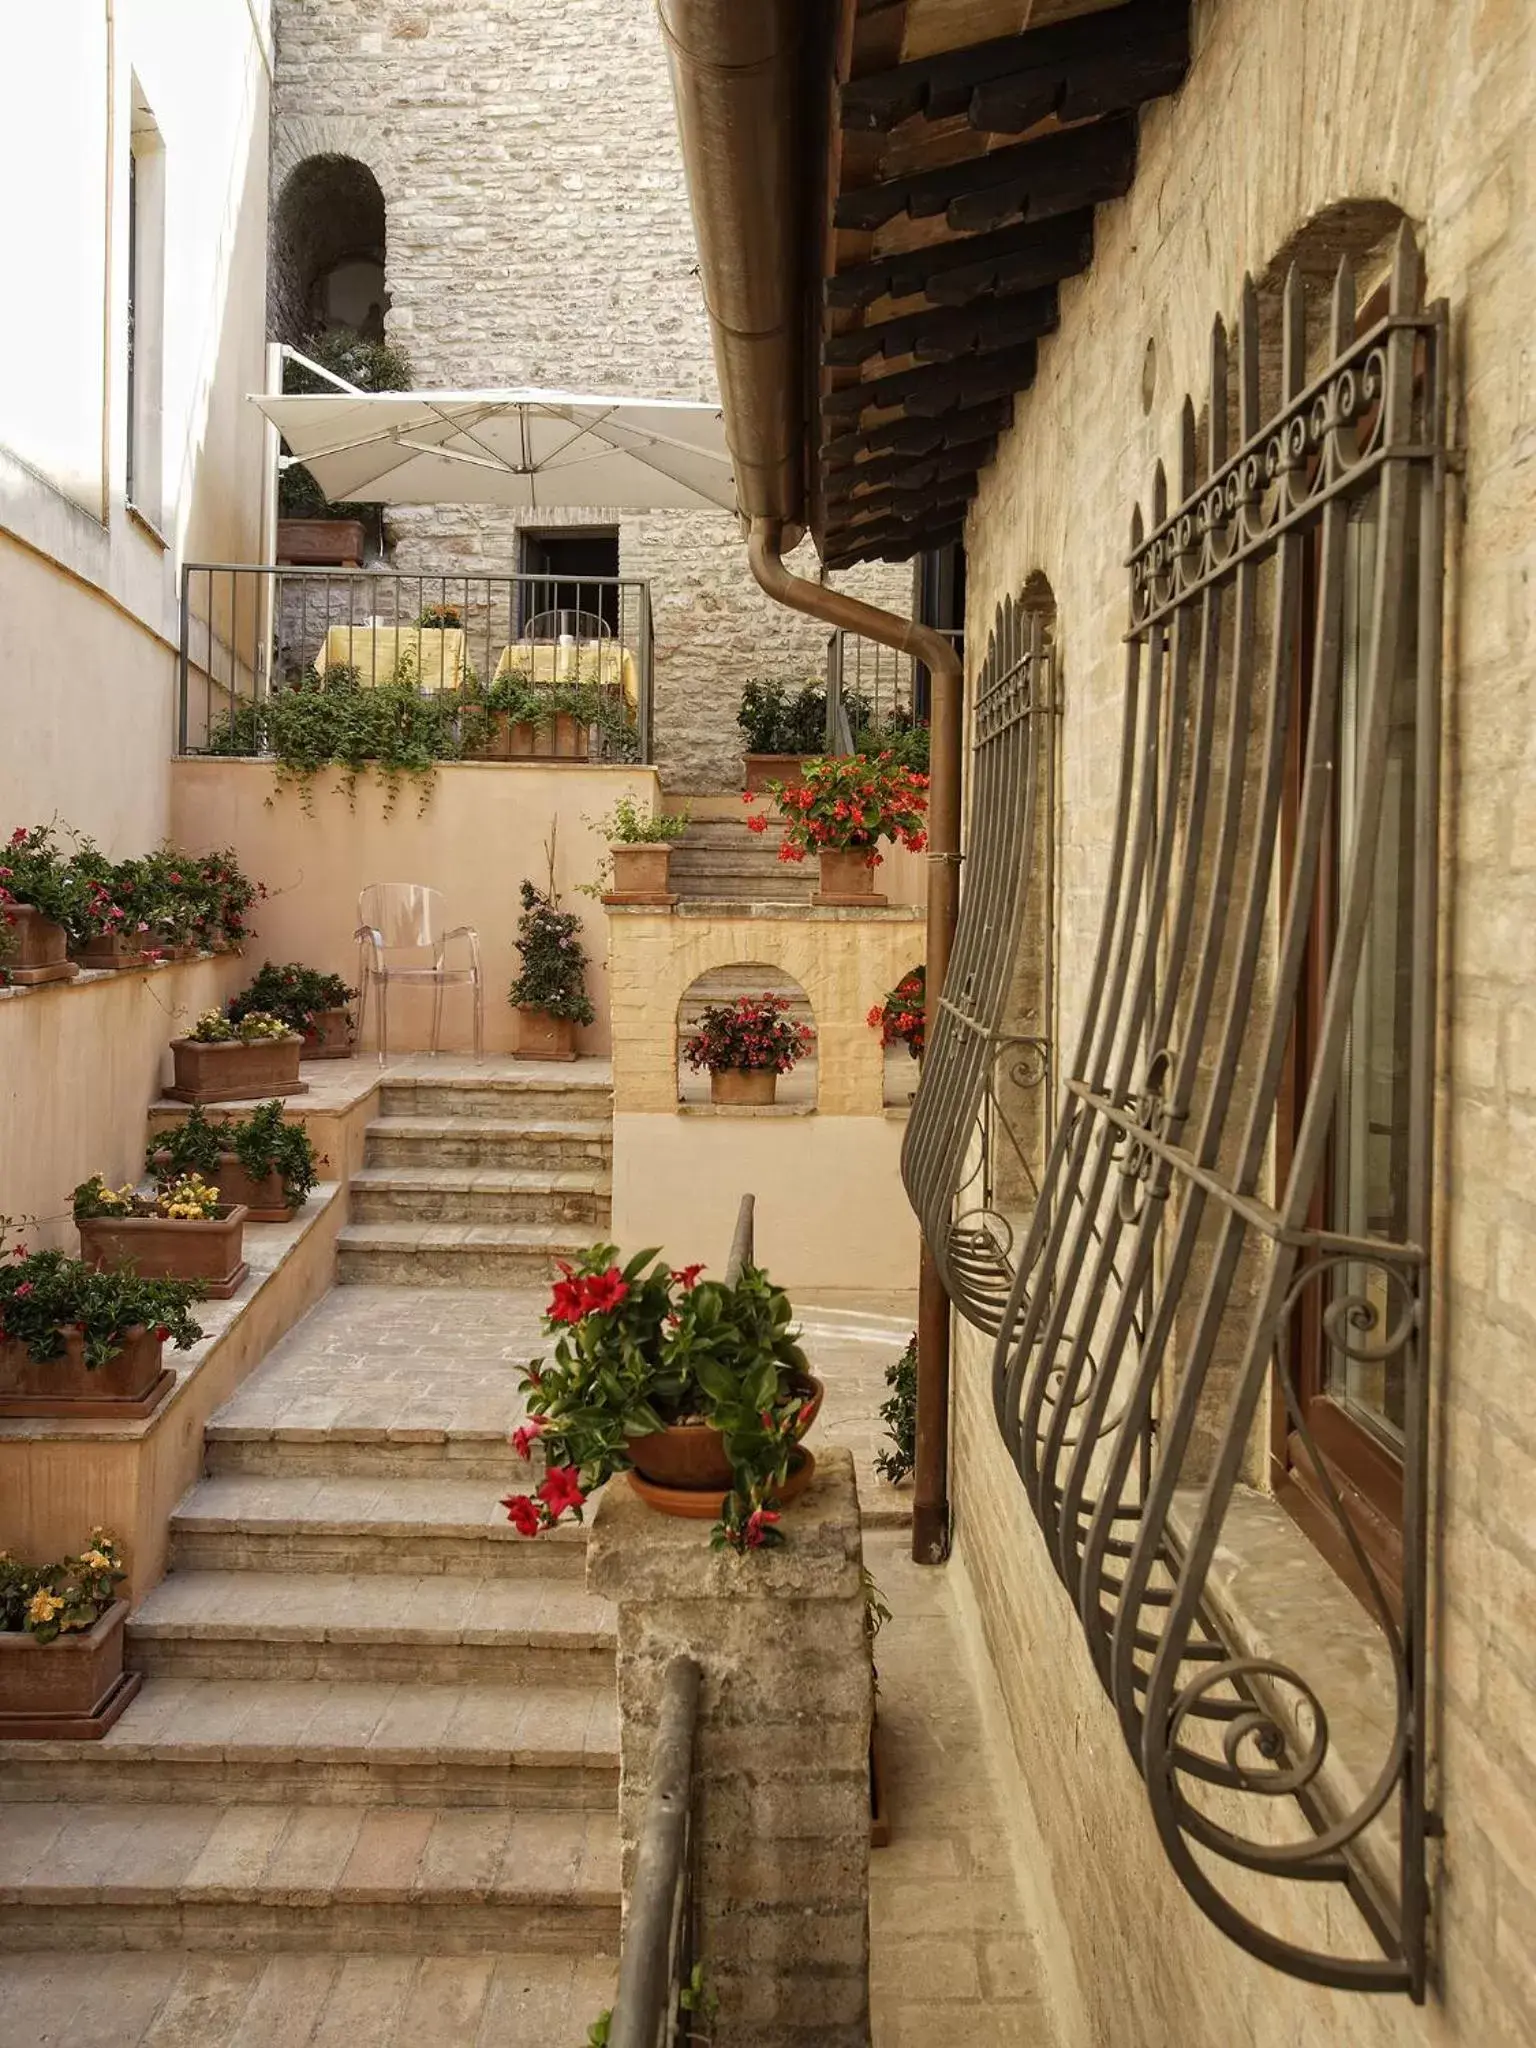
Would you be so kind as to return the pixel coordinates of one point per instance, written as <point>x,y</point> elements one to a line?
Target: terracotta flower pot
<point>743,1087</point>
<point>320,543</point>
<point>128,1386</point>
<point>74,1687</point>
<point>234,1072</point>
<point>761,769</point>
<point>329,1037</point>
<point>690,1456</point>
<point>542,1037</point>
<point>171,1248</point>
<point>497,744</point>
<point>847,878</point>
<point>640,875</point>
<point>106,952</point>
<point>38,950</point>
<point>572,737</point>
<point>262,1200</point>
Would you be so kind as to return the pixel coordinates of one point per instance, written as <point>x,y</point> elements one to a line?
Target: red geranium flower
<point>523,1439</point>
<point>606,1291</point>
<point>758,823</point>
<point>524,1514</point>
<point>759,1522</point>
<point>561,1490</point>
<point>687,1277</point>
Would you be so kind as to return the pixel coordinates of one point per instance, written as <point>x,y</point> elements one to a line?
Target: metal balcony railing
<point>251,631</point>
<point>874,693</point>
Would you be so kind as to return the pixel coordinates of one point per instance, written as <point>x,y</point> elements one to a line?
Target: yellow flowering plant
<point>188,1200</point>
<point>69,1597</point>
<point>214,1028</point>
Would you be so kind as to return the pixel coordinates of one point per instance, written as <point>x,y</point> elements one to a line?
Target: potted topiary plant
<point>259,1163</point>
<point>38,896</point>
<point>841,811</point>
<point>746,1045</point>
<point>307,1001</point>
<point>639,848</point>
<point>186,1231</point>
<point>783,722</point>
<point>697,1389</point>
<point>61,1645</point>
<point>252,1060</point>
<point>550,994</point>
<point>74,1341</point>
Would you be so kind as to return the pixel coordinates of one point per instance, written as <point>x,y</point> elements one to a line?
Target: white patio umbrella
<point>528,448</point>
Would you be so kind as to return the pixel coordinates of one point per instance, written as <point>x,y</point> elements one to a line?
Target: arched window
<point>795,1090</point>
<point>328,252</point>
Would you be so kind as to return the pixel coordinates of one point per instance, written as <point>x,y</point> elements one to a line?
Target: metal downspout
<point>930,1508</point>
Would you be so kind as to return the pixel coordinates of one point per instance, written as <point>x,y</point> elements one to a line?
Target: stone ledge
<point>768,1109</point>
<point>800,913</point>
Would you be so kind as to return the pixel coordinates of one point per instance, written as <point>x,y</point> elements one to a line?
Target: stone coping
<point>1273,1596</point>
<point>268,1247</point>
<point>767,1109</point>
<point>730,907</point>
<point>333,1087</point>
<point>92,977</point>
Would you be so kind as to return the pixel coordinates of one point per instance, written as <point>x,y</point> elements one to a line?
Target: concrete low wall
<point>483,830</point>
<point>830,1207</point>
<point>80,1063</point>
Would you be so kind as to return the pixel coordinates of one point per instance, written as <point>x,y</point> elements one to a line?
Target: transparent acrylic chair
<point>404,917</point>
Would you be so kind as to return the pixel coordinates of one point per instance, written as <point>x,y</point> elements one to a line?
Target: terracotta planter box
<point>761,769</point>
<point>542,1037</point>
<point>232,1072</point>
<point>329,1037</point>
<point>571,740</point>
<point>320,543</point>
<point>128,1387</point>
<point>847,878</point>
<point>743,1087</point>
<point>640,875</point>
<point>108,952</point>
<point>164,1248</point>
<point>38,950</point>
<point>262,1200</point>
<point>74,1687</point>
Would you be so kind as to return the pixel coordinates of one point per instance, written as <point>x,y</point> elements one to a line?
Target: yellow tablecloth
<point>602,662</point>
<point>434,655</point>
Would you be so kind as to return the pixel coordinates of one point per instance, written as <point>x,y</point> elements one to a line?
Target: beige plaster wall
<point>830,1208</point>
<point>483,830</point>
<point>80,1062</point>
<point>1286,111</point>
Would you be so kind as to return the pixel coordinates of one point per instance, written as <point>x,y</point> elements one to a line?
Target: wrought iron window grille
<point>1150,1308</point>
<point>979,1127</point>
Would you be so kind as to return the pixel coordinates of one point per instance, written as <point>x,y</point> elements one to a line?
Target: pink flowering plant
<point>848,803</point>
<point>753,1034</point>
<point>643,1346</point>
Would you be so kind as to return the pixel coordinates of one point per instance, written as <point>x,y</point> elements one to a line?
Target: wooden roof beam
<point>941,336</point>
<point>937,387</point>
<point>922,436</point>
<point>851,480</point>
<point>1030,180</point>
<point>1017,259</point>
<point>1093,64</point>
<point>894,547</point>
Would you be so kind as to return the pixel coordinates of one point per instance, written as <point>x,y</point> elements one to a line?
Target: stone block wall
<point>538,233</point>
<point>1286,113</point>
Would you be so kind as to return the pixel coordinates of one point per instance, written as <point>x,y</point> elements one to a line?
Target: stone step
<point>158,1999</point>
<point>754,857</point>
<point>373,1627</point>
<point>274,1876</point>
<point>245,1740</point>
<point>408,1254</point>
<point>340,1451</point>
<point>447,1194</point>
<point>509,1099</point>
<point>555,1145</point>
<point>779,887</point>
<point>247,1522</point>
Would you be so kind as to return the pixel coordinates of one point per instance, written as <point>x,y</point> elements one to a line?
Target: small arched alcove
<point>328,252</point>
<point>898,1022</point>
<point>725,984</point>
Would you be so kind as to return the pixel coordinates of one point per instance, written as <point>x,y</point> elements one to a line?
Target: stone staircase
<point>374,1759</point>
<point>719,860</point>
<point>481,1180</point>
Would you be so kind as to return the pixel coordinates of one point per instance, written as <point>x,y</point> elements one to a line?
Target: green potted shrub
<point>225,1061</point>
<point>901,1018</point>
<point>841,810</point>
<point>311,530</point>
<point>745,1045</point>
<point>783,720</point>
<point>258,1163</point>
<point>185,1231</point>
<point>550,994</point>
<point>61,1645</point>
<point>640,842</point>
<point>38,895</point>
<point>698,1390</point>
<point>75,1341</point>
<point>307,1001</point>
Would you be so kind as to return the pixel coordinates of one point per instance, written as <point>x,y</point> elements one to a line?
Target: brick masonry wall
<point>1286,112</point>
<point>538,233</point>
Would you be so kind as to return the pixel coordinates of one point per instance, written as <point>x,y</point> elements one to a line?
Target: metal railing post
<point>183,660</point>
<point>742,1242</point>
<point>656,1956</point>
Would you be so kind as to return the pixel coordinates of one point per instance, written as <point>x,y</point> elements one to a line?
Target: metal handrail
<point>656,1961</point>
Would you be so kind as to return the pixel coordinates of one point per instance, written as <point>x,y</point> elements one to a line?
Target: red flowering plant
<point>751,1034</point>
<point>46,1296</point>
<point>900,1018</point>
<point>848,803</point>
<point>641,1347</point>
